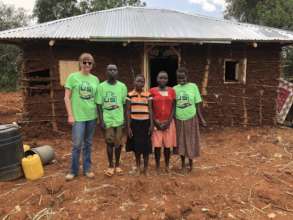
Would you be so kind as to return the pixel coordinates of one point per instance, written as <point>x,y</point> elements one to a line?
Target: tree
<point>51,10</point>
<point>274,13</point>
<point>9,54</point>
<point>45,10</point>
<point>242,10</point>
<point>97,5</point>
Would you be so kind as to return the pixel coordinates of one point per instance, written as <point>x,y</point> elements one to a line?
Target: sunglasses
<point>87,63</point>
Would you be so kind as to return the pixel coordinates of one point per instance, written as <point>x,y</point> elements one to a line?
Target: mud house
<point>236,65</point>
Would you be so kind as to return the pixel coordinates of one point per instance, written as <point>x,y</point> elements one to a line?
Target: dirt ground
<point>241,174</point>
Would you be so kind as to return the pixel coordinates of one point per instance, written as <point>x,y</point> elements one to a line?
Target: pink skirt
<point>166,138</point>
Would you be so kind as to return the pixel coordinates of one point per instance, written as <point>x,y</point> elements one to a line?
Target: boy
<point>111,98</point>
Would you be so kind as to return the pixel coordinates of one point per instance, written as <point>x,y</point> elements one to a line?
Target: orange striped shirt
<point>139,105</point>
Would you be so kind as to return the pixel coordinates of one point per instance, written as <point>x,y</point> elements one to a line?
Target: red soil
<point>241,174</point>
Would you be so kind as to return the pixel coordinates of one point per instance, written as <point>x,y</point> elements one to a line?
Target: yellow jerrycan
<point>32,166</point>
<point>26,147</point>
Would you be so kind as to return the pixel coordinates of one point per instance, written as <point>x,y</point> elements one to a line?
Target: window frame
<point>240,72</point>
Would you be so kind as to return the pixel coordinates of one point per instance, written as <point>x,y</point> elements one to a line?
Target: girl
<point>187,114</point>
<point>139,123</point>
<point>164,134</point>
<point>80,92</point>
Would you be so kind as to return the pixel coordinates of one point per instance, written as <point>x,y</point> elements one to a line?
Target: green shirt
<point>186,97</point>
<point>112,98</point>
<point>83,92</point>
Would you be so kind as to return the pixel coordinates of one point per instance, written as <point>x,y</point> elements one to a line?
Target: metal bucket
<point>46,153</point>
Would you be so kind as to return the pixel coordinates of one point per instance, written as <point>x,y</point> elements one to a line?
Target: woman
<point>164,135</point>
<point>80,93</point>
<point>139,123</point>
<point>188,112</point>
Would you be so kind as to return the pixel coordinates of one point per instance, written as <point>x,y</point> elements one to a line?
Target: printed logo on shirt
<point>182,100</point>
<point>85,90</point>
<point>110,101</point>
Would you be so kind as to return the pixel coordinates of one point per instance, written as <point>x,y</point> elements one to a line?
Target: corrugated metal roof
<point>147,24</point>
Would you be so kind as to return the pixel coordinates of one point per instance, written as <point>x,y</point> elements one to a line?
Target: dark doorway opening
<point>169,64</point>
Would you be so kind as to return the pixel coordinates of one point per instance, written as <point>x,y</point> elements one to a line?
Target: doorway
<point>162,58</point>
<point>169,65</point>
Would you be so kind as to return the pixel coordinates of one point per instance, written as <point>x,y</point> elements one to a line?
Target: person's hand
<point>70,120</point>
<point>165,125</point>
<point>129,131</point>
<point>204,123</point>
<point>158,125</point>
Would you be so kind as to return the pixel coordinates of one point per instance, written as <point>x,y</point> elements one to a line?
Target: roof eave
<point>159,40</point>
<point>19,41</point>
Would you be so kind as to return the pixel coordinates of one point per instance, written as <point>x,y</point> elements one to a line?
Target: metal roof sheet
<point>147,24</point>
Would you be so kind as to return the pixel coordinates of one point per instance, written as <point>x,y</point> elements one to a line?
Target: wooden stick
<point>52,93</point>
<point>261,211</point>
<point>206,74</point>
<point>245,121</point>
<point>12,108</point>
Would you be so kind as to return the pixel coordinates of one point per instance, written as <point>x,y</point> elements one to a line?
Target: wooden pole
<point>52,93</point>
<point>206,73</point>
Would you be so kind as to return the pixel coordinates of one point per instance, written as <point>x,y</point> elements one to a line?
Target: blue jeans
<point>82,138</point>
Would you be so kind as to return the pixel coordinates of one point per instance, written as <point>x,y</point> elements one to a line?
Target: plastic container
<point>26,147</point>
<point>46,153</point>
<point>11,152</point>
<point>32,166</point>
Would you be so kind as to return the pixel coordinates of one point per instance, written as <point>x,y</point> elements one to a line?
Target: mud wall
<point>249,104</point>
<point>43,94</point>
<point>236,104</point>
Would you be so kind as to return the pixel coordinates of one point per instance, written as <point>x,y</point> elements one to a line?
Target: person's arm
<point>150,104</point>
<point>67,100</point>
<point>155,122</point>
<point>101,119</point>
<point>168,122</point>
<point>200,115</point>
<point>128,118</point>
<point>198,106</point>
<point>99,102</point>
<point>125,99</point>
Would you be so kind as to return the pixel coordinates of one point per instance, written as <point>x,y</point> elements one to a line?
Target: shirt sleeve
<point>98,81</point>
<point>69,84</point>
<point>197,98</point>
<point>99,100</point>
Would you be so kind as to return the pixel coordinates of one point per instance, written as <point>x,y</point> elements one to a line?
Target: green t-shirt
<point>83,92</point>
<point>186,97</point>
<point>112,98</point>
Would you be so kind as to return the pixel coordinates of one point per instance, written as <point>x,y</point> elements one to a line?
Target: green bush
<point>9,66</point>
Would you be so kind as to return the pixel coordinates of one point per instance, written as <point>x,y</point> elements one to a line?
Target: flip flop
<point>109,172</point>
<point>118,170</point>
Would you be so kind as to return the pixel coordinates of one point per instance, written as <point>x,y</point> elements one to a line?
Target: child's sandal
<point>109,172</point>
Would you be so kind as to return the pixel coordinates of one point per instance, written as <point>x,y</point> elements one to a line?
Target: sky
<point>212,8</point>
